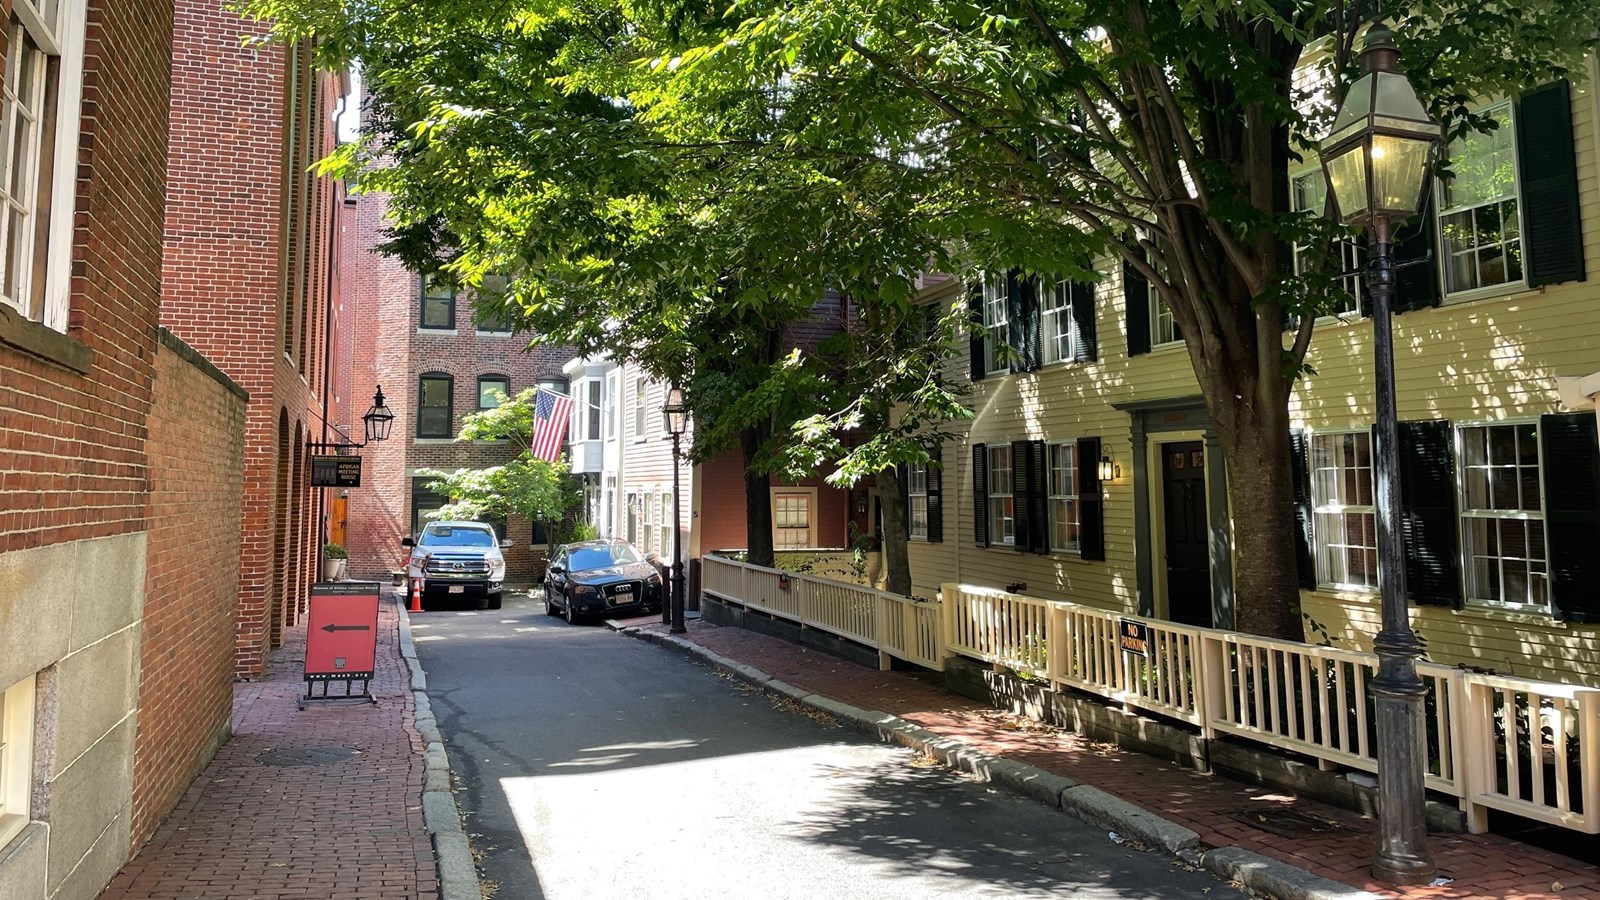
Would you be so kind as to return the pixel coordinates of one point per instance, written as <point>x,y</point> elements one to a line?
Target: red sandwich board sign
<point>342,637</point>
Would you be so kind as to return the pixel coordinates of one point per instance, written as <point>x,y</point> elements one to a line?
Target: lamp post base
<point>1402,871</point>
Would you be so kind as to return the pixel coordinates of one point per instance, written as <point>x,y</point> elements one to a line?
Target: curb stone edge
<point>1264,875</point>
<point>458,872</point>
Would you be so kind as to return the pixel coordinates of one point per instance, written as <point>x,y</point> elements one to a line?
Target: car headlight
<point>655,580</point>
<point>584,590</point>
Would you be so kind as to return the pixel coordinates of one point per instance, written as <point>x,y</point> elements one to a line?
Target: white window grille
<point>996,324</point>
<point>16,757</point>
<point>1502,515</point>
<point>1060,329</point>
<point>1344,524</point>
<point>639,390</point>
<point>1479,215</point>
<point>917,501</point>
<point>1065,533</point>
<point>39,123</point>
<point>1002,512</point>
<point>1309,192</point>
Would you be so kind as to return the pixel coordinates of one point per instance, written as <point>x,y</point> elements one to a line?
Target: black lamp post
<point>677,417</point>
<point>1378,160</point>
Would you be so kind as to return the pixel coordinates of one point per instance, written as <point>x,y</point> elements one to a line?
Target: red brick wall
<point>250,239</point>
<point>383,303</point>
<point>73,443</point>
<point>196,454</point>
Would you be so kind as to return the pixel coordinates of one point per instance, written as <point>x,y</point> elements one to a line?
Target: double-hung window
<point>649,537</point>
<point>1002,511</point>
<point>1343,520</point>
<point>1065,532</point>
<point>996,324</point>
<point>491,317</point>
<point>1309,193</point>
<point>639,391</point>
<point>434,413</point>
<point>1479,214</point>
<point>438,303</point>
<point>791,519</point>
<point>917,501</point>
<point>592,411</point>
<point>1163,328</point>
<point>1502,515</point>
<point>16,752</point>
<point>39,117</point>
<point>1060,331</point>
<point>493,391</point>
<point>665,521</point>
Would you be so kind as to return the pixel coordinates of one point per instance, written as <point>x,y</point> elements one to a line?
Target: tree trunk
<point>1255,449</point>
<point>757,501</point>
<point>896,562</point>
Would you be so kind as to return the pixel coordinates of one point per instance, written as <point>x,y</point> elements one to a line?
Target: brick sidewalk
<point>350,829</point>
<point>1485,867</point>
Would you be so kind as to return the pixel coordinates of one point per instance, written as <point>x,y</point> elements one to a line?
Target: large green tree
<point>681,160</point>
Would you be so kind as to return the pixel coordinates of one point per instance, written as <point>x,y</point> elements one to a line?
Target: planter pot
<point>334,569</point>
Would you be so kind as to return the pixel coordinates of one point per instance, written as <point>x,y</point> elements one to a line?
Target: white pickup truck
<point>458,558</point>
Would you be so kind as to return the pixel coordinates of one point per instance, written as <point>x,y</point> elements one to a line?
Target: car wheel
<point>572,613</point>
<point>550,608</point>
<point>493,602</point>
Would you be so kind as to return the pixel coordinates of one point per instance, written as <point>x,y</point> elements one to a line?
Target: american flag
<point>550,414</point>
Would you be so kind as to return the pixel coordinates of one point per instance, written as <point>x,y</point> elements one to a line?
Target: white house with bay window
<point>1091,472</point>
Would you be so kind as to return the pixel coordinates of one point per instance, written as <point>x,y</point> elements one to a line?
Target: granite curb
<point>1261,874</point>
<point>458,873</point>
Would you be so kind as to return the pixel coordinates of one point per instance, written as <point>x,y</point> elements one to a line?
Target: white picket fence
<point>1494,742</point>
<point>893,625</point>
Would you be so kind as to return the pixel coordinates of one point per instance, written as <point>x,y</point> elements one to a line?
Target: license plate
<point>458,589</point>
<point>623,595</point>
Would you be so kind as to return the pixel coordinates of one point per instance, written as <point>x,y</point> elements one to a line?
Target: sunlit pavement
<point>594,766</point>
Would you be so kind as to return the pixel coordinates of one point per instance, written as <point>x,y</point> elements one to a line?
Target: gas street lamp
<point>1378,160</point>
<point>378,419</point>
<point>677,421</point>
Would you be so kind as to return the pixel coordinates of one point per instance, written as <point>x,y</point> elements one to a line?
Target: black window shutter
<point>1428,523</point>
<point>1300,472</point>
<point>1136,309</point>
<point>1039,502</point>
<point>1022,494</point>
<point>975,328</point>
<point>1032,326</point>
<point>1571,464</point>
<point>935,497</point>
<point>1552,238</point>
<point>1083,317</point>
<point>1091,503</point>
<point>980,495</point>
<point>1416,276</point>
<point>1022,321</point>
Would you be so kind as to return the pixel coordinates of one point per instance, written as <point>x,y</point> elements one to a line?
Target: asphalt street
<point>592,766</point>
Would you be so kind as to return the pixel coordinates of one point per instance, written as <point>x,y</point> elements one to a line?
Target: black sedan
<point>606,577</point>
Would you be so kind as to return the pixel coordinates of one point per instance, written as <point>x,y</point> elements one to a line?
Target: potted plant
<point>335,559</point>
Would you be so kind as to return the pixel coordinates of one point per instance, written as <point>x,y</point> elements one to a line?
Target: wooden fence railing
<point>1494,742</point>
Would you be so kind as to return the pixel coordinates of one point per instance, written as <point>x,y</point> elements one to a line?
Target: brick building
<point>119,460</point>
<point>436,362</point>
<point>250,282</point>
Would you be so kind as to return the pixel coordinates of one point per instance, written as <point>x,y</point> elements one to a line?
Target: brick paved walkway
<point>350,830</point>
<point>1483,866</point>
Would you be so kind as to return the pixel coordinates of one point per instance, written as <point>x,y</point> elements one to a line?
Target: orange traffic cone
<point>416,595</point>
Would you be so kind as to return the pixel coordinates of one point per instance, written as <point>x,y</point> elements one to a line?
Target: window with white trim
<point>1502,515</point>
<point>610,402</point>
<point>39,118</point>
<point>1309,193</point>
<point>1480,221</point>
<point>632,504</point>
<point>1163,328</point>
<point>639,389</point>
<point>1059,328</point>
<point>917,501</point>
<point>648,537</point>
<point>665,519</point>
<point>1002,512</point>
<point>16,757</point>
<point>1343,522</point>
<point>791,519</point>
<point>996,305</point>
<point>1065,533</point>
